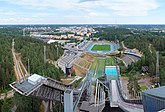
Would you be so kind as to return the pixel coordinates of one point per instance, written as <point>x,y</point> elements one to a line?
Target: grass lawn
<point>143,88</point>
<point>93,67</point>
<point>104,47</point>
<point>77,82</point>
<point>100,67</point>
<point>109,61</point>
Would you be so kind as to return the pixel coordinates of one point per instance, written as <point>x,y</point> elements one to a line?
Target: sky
<point>82,11</point>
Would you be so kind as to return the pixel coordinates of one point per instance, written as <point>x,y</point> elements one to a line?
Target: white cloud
<point>43,14</point>
<point>125,7</point>
<point>131,7</point>
<point>87,0</point>
<point>41,4</point>
<point>91,13</point>
<point>120,7</point>
<point>19,20</point>
<point>8,12</point>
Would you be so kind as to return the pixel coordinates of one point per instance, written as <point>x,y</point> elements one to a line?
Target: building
<point>34,79</point>
<point>27,86</point>
<point>69,70</point>
<point>154,99</point>
<point>71,35</point>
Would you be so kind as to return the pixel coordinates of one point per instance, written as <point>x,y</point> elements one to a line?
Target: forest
<point>29,49</point>
<point>145,41</point>
<point>6,63</point>
<point>111,33</point>
<point>148,45</point>
<point>33,50</point>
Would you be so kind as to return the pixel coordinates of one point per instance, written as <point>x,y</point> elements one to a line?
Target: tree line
<point>111,33</point>
<point>148,45</point>
<point>6,63</point>
<point>30,49</point>
<point>33,50</point>
<point>145,41</point>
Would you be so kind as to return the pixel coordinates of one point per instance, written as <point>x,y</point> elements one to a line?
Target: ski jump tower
<point>48,89</point>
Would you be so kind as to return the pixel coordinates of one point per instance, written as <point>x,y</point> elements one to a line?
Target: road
<point>8,94</point>
<point>124,45</point>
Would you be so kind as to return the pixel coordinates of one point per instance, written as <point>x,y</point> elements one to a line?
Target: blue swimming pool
<point>111,71</point>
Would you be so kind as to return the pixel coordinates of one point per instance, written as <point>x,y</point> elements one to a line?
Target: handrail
<point>133,101</point>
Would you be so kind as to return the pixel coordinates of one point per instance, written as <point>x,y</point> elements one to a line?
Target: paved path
<point>8,94</point>
<point>123,45</point>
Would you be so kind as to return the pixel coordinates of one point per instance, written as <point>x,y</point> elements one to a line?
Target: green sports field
<point>109,61</point>
<point>104,47</point>
<point>99,65</point>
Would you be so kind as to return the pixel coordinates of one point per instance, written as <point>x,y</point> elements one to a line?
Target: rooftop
<point>28,85</point>
<point>69,66</point>
<point>35,78</point>
<point>24,87</point>
<point>157,92</point>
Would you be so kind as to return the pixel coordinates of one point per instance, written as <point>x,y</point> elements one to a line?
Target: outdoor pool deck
<point>111,72</point>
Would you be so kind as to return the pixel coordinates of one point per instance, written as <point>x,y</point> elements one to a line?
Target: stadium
<point>102,47</point>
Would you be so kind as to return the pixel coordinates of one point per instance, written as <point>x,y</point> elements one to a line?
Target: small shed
<point>34,79</point>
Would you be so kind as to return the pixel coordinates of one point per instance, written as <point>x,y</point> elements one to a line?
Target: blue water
<point>110,71</point>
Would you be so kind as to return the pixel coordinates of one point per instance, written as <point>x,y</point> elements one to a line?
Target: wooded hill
<point>33,49</point>
<point>145,41</point>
